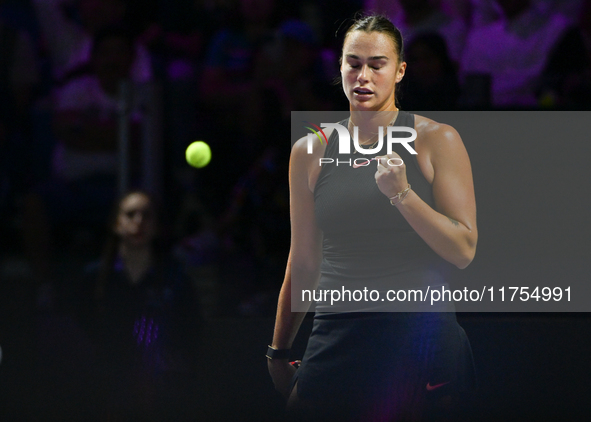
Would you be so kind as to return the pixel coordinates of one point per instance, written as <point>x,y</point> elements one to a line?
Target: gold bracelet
<point>400,196</point>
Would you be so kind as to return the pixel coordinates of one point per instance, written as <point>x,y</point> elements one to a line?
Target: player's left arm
<point>450,228</point>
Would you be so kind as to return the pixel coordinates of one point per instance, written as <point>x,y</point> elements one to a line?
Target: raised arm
<point>450,228</point>
<point>303,266</point>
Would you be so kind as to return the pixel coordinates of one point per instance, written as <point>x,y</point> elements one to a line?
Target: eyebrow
<point>353,56</point>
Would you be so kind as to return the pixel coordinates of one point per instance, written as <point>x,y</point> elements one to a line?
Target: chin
<point>363,106</point>
<point>357,103</point>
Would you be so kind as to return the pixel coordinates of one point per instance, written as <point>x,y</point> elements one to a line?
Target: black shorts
<point>383,366</point>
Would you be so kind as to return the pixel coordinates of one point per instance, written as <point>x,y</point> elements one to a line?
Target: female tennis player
<point>396,223</point>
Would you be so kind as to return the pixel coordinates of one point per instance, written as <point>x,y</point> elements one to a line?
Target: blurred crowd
<point>106,286</point>
<point>228,72</point>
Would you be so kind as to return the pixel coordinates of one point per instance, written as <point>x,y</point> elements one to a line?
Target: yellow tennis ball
<point>198,154</point>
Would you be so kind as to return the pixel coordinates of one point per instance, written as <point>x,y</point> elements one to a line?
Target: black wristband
<point>278,353</point>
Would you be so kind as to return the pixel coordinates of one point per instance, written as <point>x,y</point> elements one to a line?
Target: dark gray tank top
<point>366,241</point>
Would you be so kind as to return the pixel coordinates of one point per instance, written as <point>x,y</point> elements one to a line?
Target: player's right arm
<point>303,265</point>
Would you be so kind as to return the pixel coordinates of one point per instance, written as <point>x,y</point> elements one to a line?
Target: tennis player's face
<point>370,70</point>
<point>135,221</point>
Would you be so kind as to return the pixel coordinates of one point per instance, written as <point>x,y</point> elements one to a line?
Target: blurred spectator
<point>415,17</point>
<point>567,77</point>
<point>514,51</point>
<point>141,311</point>
<point>181,29</point>
<point>458,9</point>
<point>85,158</point>
<point>68,28</point>
<point>177,35</point>
<point>569,8</point>
<point>327,18</point>
<point>18,71</point>
<point>431,80</point>
<point>18,79</point>
<point>228,82</point>
<point>255,232</point>
<point>484,12</point>
<point>199,247</point>
<point>230,94</point>
<point>302,85</point>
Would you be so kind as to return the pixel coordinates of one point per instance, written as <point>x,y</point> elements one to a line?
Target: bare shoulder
<point>305,158</point>
<point>300,147</point>
<point>438,141</point>
<point>437,145</point>
<point>433,136</point>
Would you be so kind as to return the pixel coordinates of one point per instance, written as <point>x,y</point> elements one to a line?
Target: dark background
<point>531,178</point>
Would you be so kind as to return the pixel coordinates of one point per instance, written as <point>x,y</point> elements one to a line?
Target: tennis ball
<point>198,154</point>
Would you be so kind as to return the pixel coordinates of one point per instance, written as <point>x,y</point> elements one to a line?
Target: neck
<point>130,251</point>
<point>137,260</point>
<point>135,255</point>
<point>369,122</point>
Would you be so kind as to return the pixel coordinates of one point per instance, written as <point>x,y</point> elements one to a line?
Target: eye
<point>146,214</point>
<point>357,66</point>
<point>378,64</point>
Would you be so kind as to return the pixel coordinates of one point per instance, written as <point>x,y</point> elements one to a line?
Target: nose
<point>363,74</point>
<point>138,217</point>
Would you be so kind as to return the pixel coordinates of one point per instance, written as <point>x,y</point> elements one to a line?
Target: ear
<point>401,72</point>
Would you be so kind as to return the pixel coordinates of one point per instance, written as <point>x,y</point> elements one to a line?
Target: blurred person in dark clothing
<point>514,51</point>
<point>228,77</point>
<point>84,162</point>
<point>19,77</point>
<point>228,82</point>
<point>69,28</point>
<point>255,231</point>
<point>431,82</point>
<point>141,311</point>
<point>417,17</point>
<point>300,86</point>
<point>566,82</point>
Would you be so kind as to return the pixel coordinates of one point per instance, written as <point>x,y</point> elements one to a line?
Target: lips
<point>362,91</point>
<point>362,94</point>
